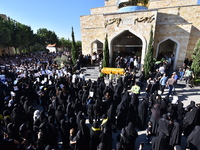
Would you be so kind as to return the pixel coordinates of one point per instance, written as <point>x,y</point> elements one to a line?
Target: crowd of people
<point>129,62</point>
<point>67,101</point>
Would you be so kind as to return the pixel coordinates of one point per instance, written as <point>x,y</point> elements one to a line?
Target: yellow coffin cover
<point>113,70</point>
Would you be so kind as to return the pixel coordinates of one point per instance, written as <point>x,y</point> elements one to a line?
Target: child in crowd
<point>71,138</point>
<point>148,132</point>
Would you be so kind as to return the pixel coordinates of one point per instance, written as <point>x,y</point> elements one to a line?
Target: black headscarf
<point>190,120</point>
<point>190,106</point>
<point>94,135</point>
<point>159,142</point>
<point>130,130</point>
<point>60,113</point>
<point>155,116</point>
<point>164,125</point>
<point>175,137</point>
<point>180,111</point>
<point>142,113</point>
<point>194,139</point>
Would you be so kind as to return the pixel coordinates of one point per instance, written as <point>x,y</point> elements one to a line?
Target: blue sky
<point>55,15</point>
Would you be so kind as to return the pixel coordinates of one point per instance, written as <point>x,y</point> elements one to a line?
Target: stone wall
<point>192,15</point>
<point>181,25</point>
<point>107,9</point>
<point>110,2</point>
<point>91,29</point>
<point>95,27</point>
<point>170,3</point>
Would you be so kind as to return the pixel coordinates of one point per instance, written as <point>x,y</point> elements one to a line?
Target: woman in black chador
<point>59,114</point>
<point>82,138</point>
<point>142,113</point>
<point>165,125</point>
<point>106,140</point>
<point>65,128</point>
<point>159,142</point>
<point>131,134</point>
<point>94,135</point>
<point>180,111</point>
<point>175,138</point>
<point>155,116</point>
<point>193,141</point>
<point>122,111</point>
<point>97,110</point>
<point>90,111</point>
<point>111,113</point>
<point>190,120</point>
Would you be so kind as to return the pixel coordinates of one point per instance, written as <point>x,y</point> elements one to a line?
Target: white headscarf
<point>36,115</point>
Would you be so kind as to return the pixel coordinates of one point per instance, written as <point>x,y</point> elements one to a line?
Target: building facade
<point>175,25</point>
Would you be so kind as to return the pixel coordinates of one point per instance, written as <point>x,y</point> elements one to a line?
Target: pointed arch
<point>96,46</point>
<point>138,35</point>
<point>174,47</point>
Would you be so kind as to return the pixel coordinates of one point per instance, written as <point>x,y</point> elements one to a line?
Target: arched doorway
<point>126,44</point>
<point>97,47</point>
<point>168,49</point>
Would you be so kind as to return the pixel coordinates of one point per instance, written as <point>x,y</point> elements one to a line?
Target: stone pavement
<point>185,94</point>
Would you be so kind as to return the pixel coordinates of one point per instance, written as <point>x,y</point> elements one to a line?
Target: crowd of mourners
<point>67,101</point>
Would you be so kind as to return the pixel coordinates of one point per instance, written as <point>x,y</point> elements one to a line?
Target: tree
<point>196,59</point>
<point>79,45</point>
<point>133,3</point>
<point>74,50</point>
<point>106,53</point>
<point>64,43</point>
<point>27,38</point>
<point>5,33</point>
<point>46,37</point>
<point>16,34</point>
<point>22,38</point>
<point>148,61</point>
<point>62,61</point>
<point>144,2</point>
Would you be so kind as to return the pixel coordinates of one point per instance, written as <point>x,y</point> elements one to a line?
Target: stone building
<point>175,25</point>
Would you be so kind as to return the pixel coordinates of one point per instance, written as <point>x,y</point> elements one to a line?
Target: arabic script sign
<point>111,21</point>
<point>128,21</point>
<point>144,19</point>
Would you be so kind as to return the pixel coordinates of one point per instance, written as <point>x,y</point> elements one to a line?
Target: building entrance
<point>168,49</point>
<point>97,47</point>
<point>126,44</point>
